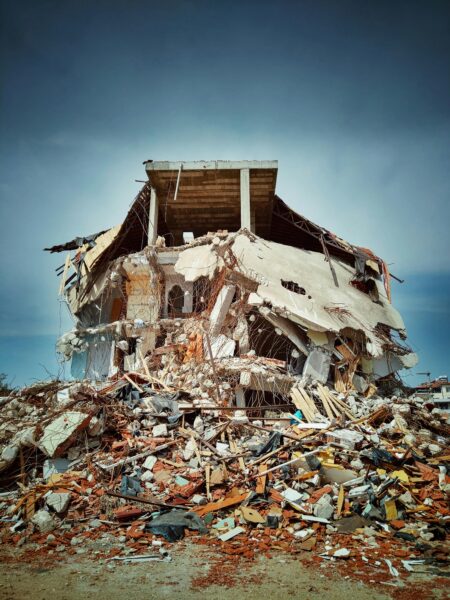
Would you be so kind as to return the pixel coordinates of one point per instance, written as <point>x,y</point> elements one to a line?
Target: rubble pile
<point>140,464</point>
<point>234,371</point>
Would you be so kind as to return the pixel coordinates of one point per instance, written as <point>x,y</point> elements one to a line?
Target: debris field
<point>140,466</point>
<point>235,382</point>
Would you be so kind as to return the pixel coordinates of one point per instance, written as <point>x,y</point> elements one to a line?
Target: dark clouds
<point>353,99</point>
<point>368,67</point>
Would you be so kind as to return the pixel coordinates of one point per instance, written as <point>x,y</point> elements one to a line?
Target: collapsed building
<point>214,285</point>
<point>230,359</point>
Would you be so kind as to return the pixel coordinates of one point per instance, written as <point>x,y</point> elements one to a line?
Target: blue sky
<point>351,97</point>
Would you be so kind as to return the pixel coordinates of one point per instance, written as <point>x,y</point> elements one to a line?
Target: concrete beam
<point>203,165</point>
<point>220,308</point>
<point>153,218</point>
<point>246,220</point>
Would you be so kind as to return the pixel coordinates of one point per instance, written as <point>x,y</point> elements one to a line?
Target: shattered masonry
<point>274,298</point>
<point>235,371</point>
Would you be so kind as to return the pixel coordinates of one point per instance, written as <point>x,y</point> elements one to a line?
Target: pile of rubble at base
<point>344,476</point>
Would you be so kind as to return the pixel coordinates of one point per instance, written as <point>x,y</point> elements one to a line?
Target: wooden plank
<point>306,408</point>
<point>235,450</point>
<point>208,482</point>
<point>335,409</point>
<point>300,404</point>
<point>330,413</point>
<point>309,401</point>
<point>218,188</point>
<point>334,405</point>
<point>30,506</point>
<point>340,501</point>
<point>215,506</point>
<point>133,383</point>
<point>341,404</point>
<point>261,484</point>
<point>326,405</point>
<point>144,364</point>
<point>346,410</point>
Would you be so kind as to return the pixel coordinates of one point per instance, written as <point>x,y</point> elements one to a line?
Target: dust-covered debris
<point>236,389</point>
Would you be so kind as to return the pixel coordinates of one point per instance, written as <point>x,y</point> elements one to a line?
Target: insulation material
<point>99,357</point>
<point>78,365</point>
<point>409,360</point>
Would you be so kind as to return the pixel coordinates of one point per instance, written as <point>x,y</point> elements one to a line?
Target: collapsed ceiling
<point>254,280</point>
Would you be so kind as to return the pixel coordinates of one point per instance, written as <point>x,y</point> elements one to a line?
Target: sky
<point>351,97</point>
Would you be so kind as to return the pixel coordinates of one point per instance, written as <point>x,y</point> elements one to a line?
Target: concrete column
<point>220,308</point>
<point>240,396</point>
<point>153,218</point>
<point>188,297</point>
<point>245,199</point>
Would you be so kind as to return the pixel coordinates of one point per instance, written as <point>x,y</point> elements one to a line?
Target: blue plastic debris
<point>299,415</point>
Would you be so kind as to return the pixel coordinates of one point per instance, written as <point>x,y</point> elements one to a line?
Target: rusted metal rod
<point>139,499</point>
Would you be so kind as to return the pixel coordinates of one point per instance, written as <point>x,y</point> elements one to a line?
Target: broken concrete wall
<point>225,298</point>
<point>143,293</point>
<point>293,314</point>
<point>95,362</point>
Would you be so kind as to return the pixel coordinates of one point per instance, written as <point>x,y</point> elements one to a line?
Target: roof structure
<point>204,196</point>
<point>433,385</point>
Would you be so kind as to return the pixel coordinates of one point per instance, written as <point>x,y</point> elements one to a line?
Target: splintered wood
<point>215,506</point>
<point>261,481</point>
<point>304,403</point>
<point>332,404</point>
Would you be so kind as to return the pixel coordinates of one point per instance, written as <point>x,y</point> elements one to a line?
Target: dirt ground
<point>196,573</point>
